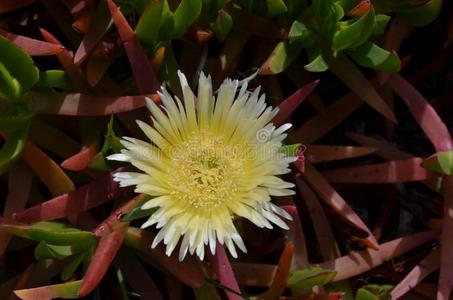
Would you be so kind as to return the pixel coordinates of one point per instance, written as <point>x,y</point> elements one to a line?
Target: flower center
<point>205,170</point>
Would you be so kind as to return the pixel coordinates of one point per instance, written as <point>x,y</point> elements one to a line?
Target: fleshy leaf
<point>50,232</point>
<point>147,29</point>
<point>14,145</point>
<point>281,57</point>
<point>374,292</point>
<point>68,290</point>
<point>141,239</point>
<point>326,14</point>
<point>276,8</point>
<point>45,250</point>
<point>316,61</point>
<point>31,46</point>
<point>441,162</point>
<point>19,65</point>
<point>302,281</point>
<point>55,79</point>
<point>353,33</point>
<point>420,15</point>
<point>137,212</point>
<point>387,172</point>
<point>372,56</point>
<point>298,30</point>
<point>222,25</point>
<point>290,150</point>
<point>380,24</point>
<point>278,285</point>
<point>348,72</point>
<point>71,267</point>
<point>186,13</point>
<point>105,253</point>
<point>145,78</point>
<point>290,104</point>
<point>55,179</point>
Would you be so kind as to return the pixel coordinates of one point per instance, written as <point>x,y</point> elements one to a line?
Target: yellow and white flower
<point>210,160</point>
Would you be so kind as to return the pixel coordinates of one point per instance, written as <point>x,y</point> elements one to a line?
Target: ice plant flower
<point>210,159</point>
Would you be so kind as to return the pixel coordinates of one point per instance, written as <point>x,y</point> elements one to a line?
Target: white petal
<point>184,247</point>
<point>119,157</point>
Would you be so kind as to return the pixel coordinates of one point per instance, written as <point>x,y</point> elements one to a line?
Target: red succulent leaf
<point>323,153</point>
<point>295,235</point>
<point>52,139</point>
<point>348,72</point>
<point>82,159</point>
<point>67,290</point>
<point>85,105</point>
<point>145,78</point>
<point>337,203</point>
<point>427,266</point>
<point>320,124</point>
<point>66,60</point>
<point>91,195</point>
<point>388,172</point>
<point>359,262</point>
<point>114,220</point>
<point>290,104</point>
<point>31,46</point>
<point>252,274</point>
<point>138,278</point>
<point>446,260</point>
<point>384,149</point>
<point>47,170</point>
<point>327,244</point>
<point>103,257</point>
<point>99,27</point>
<point>424,114</point>
<point>221,268</point>
<point>278,285</point>
<point>189,271</point>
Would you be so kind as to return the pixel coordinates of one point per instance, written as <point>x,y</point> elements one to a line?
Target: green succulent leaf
<point>45,250</point>
<point>186,13</point>
<point>15,142</point>
<point>68,290</point>
<point>111,144</point>
<point>441,162</point>
<point>281,57</point>
<point>354,32</point>
<point>295,7</point>
<point>15,65</point>
<point>222,26</point>
<point>380,23</point>
<point>276,8</point>
<point>168,70</point>
<point>9,87</point>
<point>51,232</point>
<point>290,150</point>
<point>167,23</point>
<point>138,212</point>
<point>347,5</point>
<point>299,31</point>
<point>55,79</point>
<point>71,267</point>
<point>148,26</point>
<point>326,14</point>
<point>372,56</point>
<point>316,61</point>
<point>211,8</point>
<point>420,15</point>
<point>374,292</point>
<point>302,281</point>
